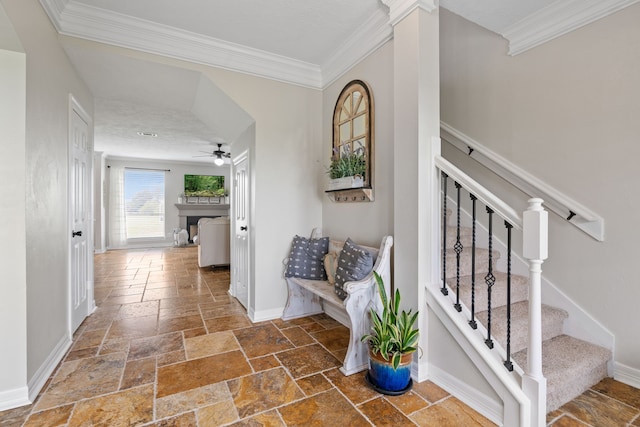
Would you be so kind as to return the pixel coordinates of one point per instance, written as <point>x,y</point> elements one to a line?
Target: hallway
<point>167,347</point>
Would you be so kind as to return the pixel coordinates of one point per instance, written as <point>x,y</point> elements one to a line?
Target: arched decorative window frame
<point>341,146</point>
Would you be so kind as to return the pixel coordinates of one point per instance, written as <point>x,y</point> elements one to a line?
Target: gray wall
<point>566,112</point>
<point>365,222</point>
<point>50,80</point>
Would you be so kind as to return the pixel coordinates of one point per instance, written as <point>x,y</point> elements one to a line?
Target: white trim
<point>54,9</point>
<point>557,19</point>
<point>263,315</point>
<point>76,19</point>
<point>469,395</point>
<point>627,374</point>
<point>45,370</point>
<point>517,406</point>
<point>244,156</point>
<point>372,34</point>
<point>557,202</point>
<point>483,195</point>
<point>14,398</point>
<point>399,9</point>
<point>76,108</point>
<point>93,23</point>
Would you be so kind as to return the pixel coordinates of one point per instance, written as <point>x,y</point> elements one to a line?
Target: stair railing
<point>534,227</point>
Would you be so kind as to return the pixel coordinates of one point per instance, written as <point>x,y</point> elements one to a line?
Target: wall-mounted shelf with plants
<point>351,169</point>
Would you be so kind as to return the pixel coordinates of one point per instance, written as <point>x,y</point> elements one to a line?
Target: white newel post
<point>535,225</point>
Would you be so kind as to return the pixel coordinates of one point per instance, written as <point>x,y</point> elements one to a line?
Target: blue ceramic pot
<point>384,377</point>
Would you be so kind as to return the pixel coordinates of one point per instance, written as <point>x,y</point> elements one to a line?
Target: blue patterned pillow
<point>354,263</point>
<point>306,258</point>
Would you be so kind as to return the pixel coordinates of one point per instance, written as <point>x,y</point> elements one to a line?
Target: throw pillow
<point>305,260</point>
<point>354,263</point>
<point>330,265</point>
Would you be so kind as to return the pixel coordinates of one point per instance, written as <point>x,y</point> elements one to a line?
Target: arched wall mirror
<point>352,151</point>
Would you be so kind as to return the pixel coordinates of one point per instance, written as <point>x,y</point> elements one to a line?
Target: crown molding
<point>54,9</point>
<point>88,22</point>
<point>557,19</point>
<point>372,34</point>
<point>399,9</point>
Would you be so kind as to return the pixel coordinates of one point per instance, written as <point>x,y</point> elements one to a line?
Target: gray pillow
<point>354,263</point>
<point>306,258</point>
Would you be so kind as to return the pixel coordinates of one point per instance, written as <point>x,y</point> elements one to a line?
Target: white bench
<point>309,297</point>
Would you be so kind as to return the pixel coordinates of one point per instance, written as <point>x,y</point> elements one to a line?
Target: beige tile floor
<point>168,347</point>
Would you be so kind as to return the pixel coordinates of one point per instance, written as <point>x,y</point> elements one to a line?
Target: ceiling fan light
<point>218,161</point>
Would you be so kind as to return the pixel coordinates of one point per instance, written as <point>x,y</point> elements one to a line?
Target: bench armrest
<point>381,266</point>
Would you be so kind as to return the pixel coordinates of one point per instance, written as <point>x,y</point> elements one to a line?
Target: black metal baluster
<point>444,236</point>
<point>458,249</point>
<point>507,362</point>
<point>489,279</point>
<point>473,322</point>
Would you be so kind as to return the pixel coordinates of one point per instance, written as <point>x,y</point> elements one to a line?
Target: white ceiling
<point>303,42</point>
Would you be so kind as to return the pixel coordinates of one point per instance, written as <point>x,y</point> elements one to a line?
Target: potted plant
<point>392,342</point>
<point>347,170</point>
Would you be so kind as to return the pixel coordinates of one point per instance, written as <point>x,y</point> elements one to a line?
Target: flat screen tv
<point>203,185</point>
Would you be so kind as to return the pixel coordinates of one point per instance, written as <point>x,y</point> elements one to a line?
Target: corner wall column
<point>13,265</point>
<point>416,143</point>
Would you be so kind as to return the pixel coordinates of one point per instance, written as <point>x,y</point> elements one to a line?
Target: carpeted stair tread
<point>466,237</point>
<point>552,320</point>
<point>570,365</point>
<point>519,290</point>
<point>482,261</point>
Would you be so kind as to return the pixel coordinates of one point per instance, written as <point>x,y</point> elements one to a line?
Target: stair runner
<point>570,365</point>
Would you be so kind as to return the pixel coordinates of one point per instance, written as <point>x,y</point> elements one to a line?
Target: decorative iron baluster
<point>489,279</point>
<point>507,363</point>
<point>444,236</point>
<point>473,322</point>
<point>458,249</point>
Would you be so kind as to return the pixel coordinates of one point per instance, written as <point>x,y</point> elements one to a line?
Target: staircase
<point>570,365</point>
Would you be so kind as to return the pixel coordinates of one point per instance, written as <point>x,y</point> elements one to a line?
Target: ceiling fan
<point>218,154</point>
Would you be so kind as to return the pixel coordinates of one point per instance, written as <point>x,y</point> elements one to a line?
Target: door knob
<point>76,233</point>
<point>243,228</point>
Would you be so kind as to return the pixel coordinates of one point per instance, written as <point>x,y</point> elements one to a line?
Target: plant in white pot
<point>347,170</point>
<point>392,342</point>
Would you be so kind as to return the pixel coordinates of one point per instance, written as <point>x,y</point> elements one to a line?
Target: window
<point>144,203</point>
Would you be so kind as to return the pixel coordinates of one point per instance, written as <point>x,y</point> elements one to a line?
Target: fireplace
<point>189,214</point>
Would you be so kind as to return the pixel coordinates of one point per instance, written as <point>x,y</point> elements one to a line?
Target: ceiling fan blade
<point>206,155</point>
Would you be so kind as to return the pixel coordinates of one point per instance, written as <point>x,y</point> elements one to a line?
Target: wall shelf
<point>351,195</point>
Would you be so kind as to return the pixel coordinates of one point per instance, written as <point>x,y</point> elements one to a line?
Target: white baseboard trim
<point>626,374</point>
<point>470,396</point>
<point>14,398</point>
<point>420,369</point>
<point>46,369</point>
<point>262,315</point>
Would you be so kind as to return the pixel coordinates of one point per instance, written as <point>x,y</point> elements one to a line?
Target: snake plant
<point>392,333</point>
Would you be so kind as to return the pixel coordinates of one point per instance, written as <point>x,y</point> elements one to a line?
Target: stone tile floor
<point>168,347</point>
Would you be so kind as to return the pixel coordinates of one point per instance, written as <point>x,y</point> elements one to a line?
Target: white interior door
<point>80,274</point>
<point>240,235</point>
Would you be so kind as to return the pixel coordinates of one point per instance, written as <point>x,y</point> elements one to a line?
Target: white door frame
<point>243,156</point>
<point>76,108</point>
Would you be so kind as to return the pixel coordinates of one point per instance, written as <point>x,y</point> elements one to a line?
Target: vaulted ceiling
<point>303,42</point>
